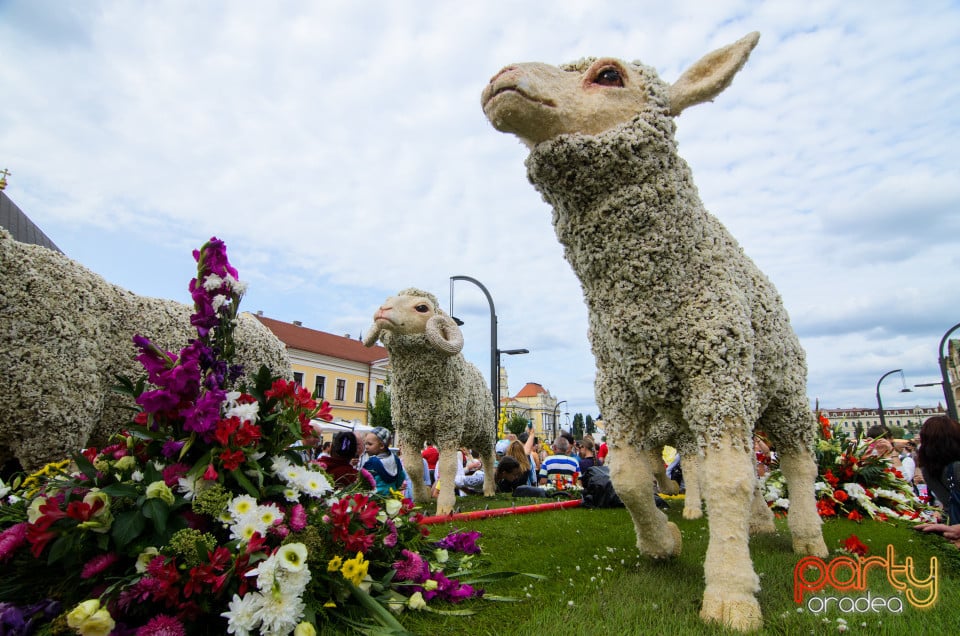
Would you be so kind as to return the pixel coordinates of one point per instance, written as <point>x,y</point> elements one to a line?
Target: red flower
<point>280,389</point>
<point>831,478</point>
<point>248,435</point>
<point>210,473</point>
<point>825,508</point>
<point>325,413</point>
<point>854,545</point>
<point>840,495</point>
<point>226,428</point>
<point>855,516</point>
<point>231,460</point>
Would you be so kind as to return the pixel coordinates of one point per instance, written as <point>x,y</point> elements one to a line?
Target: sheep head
<point>536,102</point>
<point>415,312</point>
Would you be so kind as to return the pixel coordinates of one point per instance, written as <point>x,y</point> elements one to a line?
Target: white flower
<point>314,484</point>
<point>212,282</point>
<point>291,494</point>
<point>292,557</point>
<point>241,615</point>
<point>416,602</point>
<point>242,506</point>
<point>441,555</point>
<point>269,514</point>
<point>782,503</point>
<point>393,506</point>
<point>244,529</point>
<point>4,489</point>
<point>237,286</point>
<point>136,476</point>
<point>245,412</point>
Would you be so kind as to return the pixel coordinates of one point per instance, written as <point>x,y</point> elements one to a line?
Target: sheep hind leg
<point>632,478</point>
<point>731,583</point>
<point>761,517</point>
<point>800,471</point>
<point>414,469</point>
<point>446,473</point>
<point>692,501</point>
<point>666,485</point>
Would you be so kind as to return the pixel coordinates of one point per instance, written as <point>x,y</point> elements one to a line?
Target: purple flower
<point>412,567</point>
<point>390,540</point>
<point>371,482</point>
<point>16,621</point>
<point>158,400</point>
<point>202,416</point>
<point>12,539</point>
<point>162,625</point>
<point>153,359</point>
<point>98,564</point>
<point>450,589</point>
<point>171,447</point>
<point>212,259</point>
<point>465,542</point>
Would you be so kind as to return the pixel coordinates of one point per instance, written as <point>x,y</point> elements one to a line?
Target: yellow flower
<point>305,629</point>
<point>416,602</point>
<point>125,463</point>
<point>330,604</point>
<point>335,564</point>
<point>355,569</point>
<point>89,619</point>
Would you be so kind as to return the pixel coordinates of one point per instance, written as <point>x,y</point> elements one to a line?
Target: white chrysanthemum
<point>269,514</point>
<point>237,286</point>
<point>279,613</point>
<point>242,506</point>
<point>292,557</point>
<point>314,484</point>
<point>782,503</point>
<point>241,613</point>
<point>212,282</point>
<point>244,529</point>
<point>291,494</point>
<point>244,412</point>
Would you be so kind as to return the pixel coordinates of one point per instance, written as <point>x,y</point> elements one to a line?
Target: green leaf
<point>121,490</point>
<point>157,511</point>
<point>499,576</point>
<point>127,526</point>
<point>85,466</point>
<point>244,482</point>
<point>60,548</point>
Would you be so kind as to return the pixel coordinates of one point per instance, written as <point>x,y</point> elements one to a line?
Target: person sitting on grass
<point>338,464</point>
<point>559,466</point>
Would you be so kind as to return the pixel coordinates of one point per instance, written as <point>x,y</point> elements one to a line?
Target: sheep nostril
<point>504,70</point>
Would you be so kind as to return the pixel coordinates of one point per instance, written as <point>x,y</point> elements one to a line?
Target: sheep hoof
<point>444,510</point>
<point>670,487</point>
<point>736,611</point>
<point>762,526</point>
<point>813,546</point>
<point>668,547</point>
<point>692,512</point>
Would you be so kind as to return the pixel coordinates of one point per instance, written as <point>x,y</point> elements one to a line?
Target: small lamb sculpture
<point>436,395</point>
<point>65,333</point>
<point>691,339</point>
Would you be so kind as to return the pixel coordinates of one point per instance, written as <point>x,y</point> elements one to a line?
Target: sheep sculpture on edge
<point>66,333</point>
<point>691,339</point>
<point>436,395</point>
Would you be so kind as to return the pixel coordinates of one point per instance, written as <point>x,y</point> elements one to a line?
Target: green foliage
<point>577,428</point>
<point>517,424</point>
<point>590,426</point>
<point>379,411</point>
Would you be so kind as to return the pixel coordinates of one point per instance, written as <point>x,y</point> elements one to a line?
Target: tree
<point>591,427</point>
<point>517,424</point>
<point>379,411</point>
<point>577,427</point>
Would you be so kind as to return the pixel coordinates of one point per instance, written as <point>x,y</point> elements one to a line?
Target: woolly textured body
<point>65,333</point>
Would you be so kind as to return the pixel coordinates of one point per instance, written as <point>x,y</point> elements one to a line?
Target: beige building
<point>534,403</point>
<point>909,418</point>
<point>338,369</point>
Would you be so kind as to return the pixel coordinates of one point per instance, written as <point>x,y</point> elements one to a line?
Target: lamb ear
<point>371,336</point>
<point>711,74</point>
<point>444,334</point>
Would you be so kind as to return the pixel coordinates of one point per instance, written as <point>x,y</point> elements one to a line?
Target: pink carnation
<point>12,539</point>
<point>98,564</point>
<point>298,518</point>
<point>162,625</point>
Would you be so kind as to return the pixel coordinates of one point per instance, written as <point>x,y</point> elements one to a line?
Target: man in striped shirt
<point>559,464</point>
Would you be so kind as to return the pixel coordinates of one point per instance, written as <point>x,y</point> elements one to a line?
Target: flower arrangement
<point>852,482</point>
<point>203,518</point>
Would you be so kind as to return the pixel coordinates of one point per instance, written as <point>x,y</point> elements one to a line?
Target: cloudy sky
<point>340,150</point>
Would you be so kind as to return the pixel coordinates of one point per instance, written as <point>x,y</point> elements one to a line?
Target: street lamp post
<point>879,402</point>
<point>947,387</point>
<point>554,422</point>
<point>494,351</point>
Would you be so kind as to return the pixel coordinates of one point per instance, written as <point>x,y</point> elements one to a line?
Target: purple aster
<point>465,542</point>
<point>171,447</point>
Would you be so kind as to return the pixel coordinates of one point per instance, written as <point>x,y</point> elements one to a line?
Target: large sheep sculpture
<point>65,333</point>
<point>691,339</point>
<point>436,395</point>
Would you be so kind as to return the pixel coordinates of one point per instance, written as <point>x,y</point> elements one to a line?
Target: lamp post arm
<point>879,401</point>
<point>494,355</point>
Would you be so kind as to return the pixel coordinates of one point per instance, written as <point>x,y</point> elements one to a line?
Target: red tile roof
<point>531,389</point>
<point>328,344</point>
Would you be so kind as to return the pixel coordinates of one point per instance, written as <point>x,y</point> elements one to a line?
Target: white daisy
<point>241,615</point>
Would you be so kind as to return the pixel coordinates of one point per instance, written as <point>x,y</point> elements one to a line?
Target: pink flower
<point>162,625</point>
<point>298,518</point>
<point>98,564</point>
<point>12,539</point>
<point>411,567</point>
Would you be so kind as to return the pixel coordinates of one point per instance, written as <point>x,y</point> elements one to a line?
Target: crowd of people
<point>527,467</point>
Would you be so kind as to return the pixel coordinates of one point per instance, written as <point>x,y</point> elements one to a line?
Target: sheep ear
<point>444,334</point>
<point>371,336</point>
<point>711,74</point>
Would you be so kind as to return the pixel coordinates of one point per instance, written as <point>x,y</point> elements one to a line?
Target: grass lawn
<point>598,584</point>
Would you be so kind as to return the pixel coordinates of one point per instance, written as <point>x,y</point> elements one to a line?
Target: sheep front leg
<point>446,473</point>
<point>731,584</point>
<point>800,471</point>
<point>666,485</point>
<point>413,464</point>
<point>632,478</point>
<point>489,460</point>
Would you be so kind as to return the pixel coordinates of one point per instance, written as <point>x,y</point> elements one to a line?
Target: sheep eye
<point>422,308</point>
<point>609,77</point>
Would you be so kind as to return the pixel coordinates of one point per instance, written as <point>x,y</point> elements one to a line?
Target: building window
<point>379,389</point>
<point>341,390</point>
<point>319,387</point>
<point>360,387</point>
<point>298,378</point>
